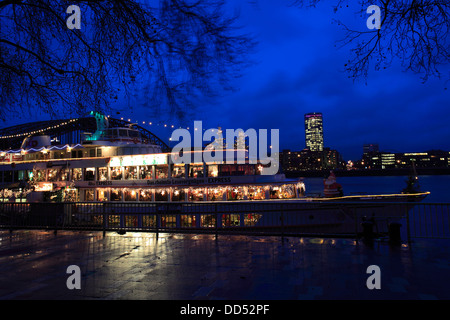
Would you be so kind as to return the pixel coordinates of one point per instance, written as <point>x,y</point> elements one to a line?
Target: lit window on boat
<point>102,174</point>
<point>114,220</point>
<point>161,195</point>
<point>102,195</point>
<point>251,219</point>
<point>256,193</point>
<point>230,220</point>
<point>89,195</point>
<point>178,194</point>
<point>145,195</point>
<point>235,193</point>
<point>168,221</point>
<point>130,195</point>
<point>178,171</point>
<point>195,194</point>
<point>52,175</point>
<point>213,170</point>
<point>64,175</point>
<point>38,175</point>
<point>216,194</point>
<point>116,194</point>
<point>116,173</point>
<point>245,170</point>
<point>286,191</point>
<point>187,220</point>
<point>89,174</point>
<point>227,170</point>
<point>149,221</point>
<point>70,195</point>
<point>146,172</point>
<point>162,172</point>
<point>208,220</point>
<point>130,173</point>
<point>131,221</point>
<point>196,171</point>
<point>22,175</point>
<point>76,174</point>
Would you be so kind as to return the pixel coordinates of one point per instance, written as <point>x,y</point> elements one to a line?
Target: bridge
<point>66,131</point>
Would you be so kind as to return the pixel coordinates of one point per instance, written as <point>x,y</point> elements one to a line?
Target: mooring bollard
<point>394,233</point>
<point>368,233</point>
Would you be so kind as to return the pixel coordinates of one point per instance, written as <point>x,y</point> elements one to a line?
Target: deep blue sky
<point>297,69</point>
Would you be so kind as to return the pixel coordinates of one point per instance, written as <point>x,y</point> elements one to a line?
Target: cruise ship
<point>121,165</point>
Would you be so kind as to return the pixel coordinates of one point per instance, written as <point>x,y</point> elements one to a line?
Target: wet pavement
<point>138,266</point>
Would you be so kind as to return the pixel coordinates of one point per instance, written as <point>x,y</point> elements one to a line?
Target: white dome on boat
<point>36,142</point>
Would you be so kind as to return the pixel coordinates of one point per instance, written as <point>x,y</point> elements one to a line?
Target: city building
<point>429,159</point>
<point>370,148</point>
<point>315,156</point>
<point>332,159</point>
<point>378,160</point>
<point>387,160</point>
<point>314,131</point>
<point>306,160</point>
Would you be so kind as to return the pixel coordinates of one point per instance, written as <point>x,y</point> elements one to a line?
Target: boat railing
<point>333,219</point>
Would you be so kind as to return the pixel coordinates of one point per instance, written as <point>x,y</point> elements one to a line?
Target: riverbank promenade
<point>142,266</point>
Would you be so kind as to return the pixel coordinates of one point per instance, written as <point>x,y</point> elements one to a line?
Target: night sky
<point>298,69</point>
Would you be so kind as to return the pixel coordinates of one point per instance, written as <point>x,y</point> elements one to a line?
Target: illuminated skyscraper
<point>314,131</point>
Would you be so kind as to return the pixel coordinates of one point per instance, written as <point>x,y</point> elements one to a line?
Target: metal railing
<point>429,220</point>
<point>290,218</point>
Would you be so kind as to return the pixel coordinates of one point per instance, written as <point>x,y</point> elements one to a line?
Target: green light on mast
<point>102,124</point>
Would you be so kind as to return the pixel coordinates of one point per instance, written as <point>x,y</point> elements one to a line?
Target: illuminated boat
<point>117,166</point>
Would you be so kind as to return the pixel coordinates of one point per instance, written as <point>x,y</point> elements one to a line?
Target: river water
<point>438,185</point>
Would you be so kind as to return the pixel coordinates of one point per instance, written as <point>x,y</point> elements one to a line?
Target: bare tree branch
<point>413,32</point>
<point>177,51</point>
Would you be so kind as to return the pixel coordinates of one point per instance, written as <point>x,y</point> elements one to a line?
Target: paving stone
<point>140,266</point>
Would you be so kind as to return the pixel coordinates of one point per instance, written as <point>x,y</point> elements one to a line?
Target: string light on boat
<point>21,193</point>
<point>67,122</point>
<point>43,149</point>
<point>160,124</point>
